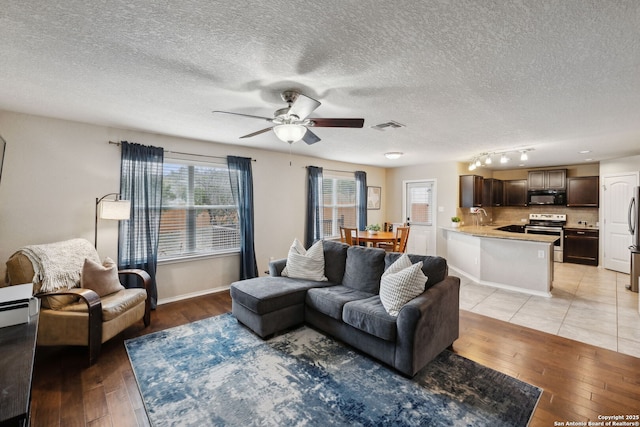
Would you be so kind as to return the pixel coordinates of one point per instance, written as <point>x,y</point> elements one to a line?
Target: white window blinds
<point>199,216</point>
<point>339,203</point>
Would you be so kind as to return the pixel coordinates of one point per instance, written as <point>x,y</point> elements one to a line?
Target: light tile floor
<point>589,304</point>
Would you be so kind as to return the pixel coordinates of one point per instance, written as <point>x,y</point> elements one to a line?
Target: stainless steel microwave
<point>547,197</point>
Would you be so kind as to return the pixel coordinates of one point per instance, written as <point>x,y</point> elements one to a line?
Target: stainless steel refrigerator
<point>634,229</point>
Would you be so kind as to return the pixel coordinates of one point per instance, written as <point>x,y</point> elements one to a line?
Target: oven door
<point>558,245</point>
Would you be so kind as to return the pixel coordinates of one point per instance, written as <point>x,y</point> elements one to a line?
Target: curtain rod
<point>330,170</point>
<point>183,153</point>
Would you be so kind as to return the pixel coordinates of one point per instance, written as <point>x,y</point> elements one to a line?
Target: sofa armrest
<point>427,325</point>
<point>145,278</point>
<point>276,267</point>
<point>94,309</point>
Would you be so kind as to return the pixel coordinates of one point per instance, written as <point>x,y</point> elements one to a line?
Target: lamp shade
<point>114,209</point>
<point>290,132</point>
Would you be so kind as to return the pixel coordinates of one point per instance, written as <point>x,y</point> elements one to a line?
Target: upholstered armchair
<point>82,300</point>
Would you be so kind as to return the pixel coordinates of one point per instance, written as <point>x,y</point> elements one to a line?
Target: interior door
<point>617,192</point>
<point>419,199</point>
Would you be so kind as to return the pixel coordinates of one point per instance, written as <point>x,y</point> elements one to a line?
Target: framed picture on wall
<point>2,146</point>
<point>373,197</point>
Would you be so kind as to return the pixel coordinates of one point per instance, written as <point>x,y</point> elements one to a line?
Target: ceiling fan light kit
<point>289,132</point>
<point>291,124</point>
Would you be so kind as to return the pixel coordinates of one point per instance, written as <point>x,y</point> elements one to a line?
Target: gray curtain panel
<point>241,179</point>
<point>313,226</point>
<point>141,183</point>
<point>361,185</point>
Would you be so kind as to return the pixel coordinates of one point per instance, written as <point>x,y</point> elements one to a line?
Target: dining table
<point>377,237</point>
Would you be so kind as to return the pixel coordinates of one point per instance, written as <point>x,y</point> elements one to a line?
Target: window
<point>339,203</point>
<point>199,216</point>
<point>419,202</point>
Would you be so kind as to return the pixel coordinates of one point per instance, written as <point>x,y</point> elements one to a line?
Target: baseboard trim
<point>192,295</point>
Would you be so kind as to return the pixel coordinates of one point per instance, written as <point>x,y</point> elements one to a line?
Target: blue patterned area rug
<point>215,372</point>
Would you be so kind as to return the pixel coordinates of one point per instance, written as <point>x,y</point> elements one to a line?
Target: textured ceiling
<point>465,77</point>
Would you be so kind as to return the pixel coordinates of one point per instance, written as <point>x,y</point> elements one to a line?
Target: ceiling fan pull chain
<point>290,144</point>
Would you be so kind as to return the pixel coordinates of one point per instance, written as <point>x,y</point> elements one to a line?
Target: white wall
<point>55,169</point>
<point>624,164</point>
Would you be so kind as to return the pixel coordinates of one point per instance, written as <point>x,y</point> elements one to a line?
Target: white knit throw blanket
<point>58,265</point>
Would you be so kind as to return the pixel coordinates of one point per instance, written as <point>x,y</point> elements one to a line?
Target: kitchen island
<point>514,261</point>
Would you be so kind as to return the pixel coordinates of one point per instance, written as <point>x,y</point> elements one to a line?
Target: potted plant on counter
<point>455,221</point>
<point>373,228</point>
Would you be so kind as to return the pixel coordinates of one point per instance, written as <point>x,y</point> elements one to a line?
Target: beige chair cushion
<point>113,305</point>
<point>102,279</point>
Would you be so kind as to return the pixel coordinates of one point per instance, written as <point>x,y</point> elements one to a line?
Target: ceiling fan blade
<point>337,123</point>
<point>244,115</point>
<point>303,106</point>
<point>256,133</point>
<point>310,137</point>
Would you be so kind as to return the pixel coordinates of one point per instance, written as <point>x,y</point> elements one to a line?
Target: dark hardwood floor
<point>580,381</point>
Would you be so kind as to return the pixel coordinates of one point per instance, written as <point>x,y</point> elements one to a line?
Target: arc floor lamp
<point>115,209</point>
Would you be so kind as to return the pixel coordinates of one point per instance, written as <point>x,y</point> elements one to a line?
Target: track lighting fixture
<point>486,158</point>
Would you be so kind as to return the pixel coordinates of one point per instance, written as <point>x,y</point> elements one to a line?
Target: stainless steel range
<point>549,225</point>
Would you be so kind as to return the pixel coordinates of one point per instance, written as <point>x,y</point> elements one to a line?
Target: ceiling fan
<point>292,123</point>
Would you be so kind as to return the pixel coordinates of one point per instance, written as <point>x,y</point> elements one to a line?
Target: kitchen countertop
<point>581,227</point>
<point>491,231</point>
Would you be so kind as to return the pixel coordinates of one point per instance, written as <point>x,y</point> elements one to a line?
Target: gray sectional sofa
<point>348,306</point>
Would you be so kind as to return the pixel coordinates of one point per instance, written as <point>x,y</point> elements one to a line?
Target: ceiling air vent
<point>390,125</point>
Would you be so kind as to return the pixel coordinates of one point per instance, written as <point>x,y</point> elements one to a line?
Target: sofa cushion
<point>364,268</point>
<point>266,294</point>
<point>434,267</point>
<point>305,264</point>
<point>400,284</point>
<point>370,316</point>
<point>331,300</point>
<point>335,260</point>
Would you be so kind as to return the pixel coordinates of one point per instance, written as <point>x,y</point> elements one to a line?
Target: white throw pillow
<point>400,284</point>
<point>399,265</point>
<point>305,264</point>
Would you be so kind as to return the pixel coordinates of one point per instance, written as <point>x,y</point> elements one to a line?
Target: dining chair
<point>349,236</point>
<point>399,243</point>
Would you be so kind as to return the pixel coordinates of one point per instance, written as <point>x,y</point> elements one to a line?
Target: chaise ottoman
<point>268,305</point>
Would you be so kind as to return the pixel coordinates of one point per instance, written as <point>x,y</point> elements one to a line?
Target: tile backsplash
<point>520,215</point>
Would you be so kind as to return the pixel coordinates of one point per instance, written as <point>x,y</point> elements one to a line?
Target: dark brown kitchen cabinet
<point>515,192</point>
<point>492,192</point>
<point>470,191</point>
<point>554,179</point>
<point>581,246</point>
<point>583,191</point>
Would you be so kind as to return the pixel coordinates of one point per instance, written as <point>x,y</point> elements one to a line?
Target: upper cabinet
<point>515,192</point>
<point>470,191</point>
<point>583,191</point>
<point>492,192</point>
<point>555,179</point>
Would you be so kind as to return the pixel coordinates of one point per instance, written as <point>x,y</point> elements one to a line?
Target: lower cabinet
<point>581,246</point>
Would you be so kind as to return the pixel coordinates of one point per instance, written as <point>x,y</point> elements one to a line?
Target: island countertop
<point>492,231</point>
